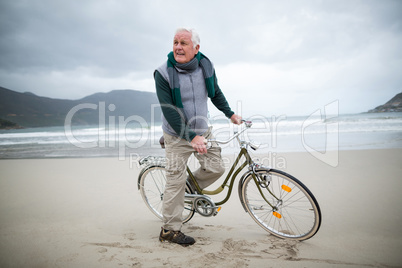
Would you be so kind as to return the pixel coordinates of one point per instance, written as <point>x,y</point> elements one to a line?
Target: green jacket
<point>175,121</point>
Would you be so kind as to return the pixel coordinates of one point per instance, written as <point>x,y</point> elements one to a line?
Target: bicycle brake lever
<point>248,123</point>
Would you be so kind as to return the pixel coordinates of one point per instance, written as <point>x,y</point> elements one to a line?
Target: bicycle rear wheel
<point>151,183</point>
<point>294,212</point>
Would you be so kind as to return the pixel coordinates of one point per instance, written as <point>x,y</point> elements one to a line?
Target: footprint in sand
<point>129,236</point>
<point>238,246</point>
<point>102,250</point>
<point>284,249</point>
<point>192,227</point>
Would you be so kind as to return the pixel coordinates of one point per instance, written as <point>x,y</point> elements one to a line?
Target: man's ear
<point>197,48</point>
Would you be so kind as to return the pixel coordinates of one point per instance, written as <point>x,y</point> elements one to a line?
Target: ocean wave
<point>262,127</point>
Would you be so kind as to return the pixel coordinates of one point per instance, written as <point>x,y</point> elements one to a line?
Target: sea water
<point>273,134</point>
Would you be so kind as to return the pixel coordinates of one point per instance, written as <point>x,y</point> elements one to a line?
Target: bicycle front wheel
<point>281,204</point>
<point>152,183</point>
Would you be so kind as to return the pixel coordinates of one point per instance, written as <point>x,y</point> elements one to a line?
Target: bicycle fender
<point>241,182</point>
<point>143,171</point>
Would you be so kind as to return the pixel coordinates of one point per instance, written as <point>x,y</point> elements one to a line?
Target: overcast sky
<point>275,57</point>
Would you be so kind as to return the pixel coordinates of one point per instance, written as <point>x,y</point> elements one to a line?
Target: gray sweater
<point>194,98</point>
<point>192,120</point>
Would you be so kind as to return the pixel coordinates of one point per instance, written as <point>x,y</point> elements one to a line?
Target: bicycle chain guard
<point>203,205</point>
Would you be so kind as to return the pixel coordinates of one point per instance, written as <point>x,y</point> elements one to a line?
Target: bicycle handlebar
<point>248,124</point>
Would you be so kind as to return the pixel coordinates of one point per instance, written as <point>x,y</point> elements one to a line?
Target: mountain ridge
<point>393,105</point>
<point>29,110</point>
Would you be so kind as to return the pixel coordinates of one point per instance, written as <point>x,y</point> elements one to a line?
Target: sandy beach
<point>88,213</point>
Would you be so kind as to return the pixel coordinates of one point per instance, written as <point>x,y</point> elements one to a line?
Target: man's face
<point>183,48</point>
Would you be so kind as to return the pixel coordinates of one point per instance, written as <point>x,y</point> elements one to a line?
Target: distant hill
<point>5,124</point>
<point>29,110</point>
<point>393,105</point>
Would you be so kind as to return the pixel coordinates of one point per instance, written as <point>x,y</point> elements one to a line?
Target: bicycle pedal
<point>217,210</point>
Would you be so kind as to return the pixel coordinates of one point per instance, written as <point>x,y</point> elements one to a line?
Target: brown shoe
<point>176,237</point>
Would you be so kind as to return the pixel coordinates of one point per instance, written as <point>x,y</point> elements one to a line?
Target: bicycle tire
<point>151,183</point>
<point>297,216</point>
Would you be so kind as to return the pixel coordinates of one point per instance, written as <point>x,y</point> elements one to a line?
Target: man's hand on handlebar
<point>199,144</point>
<point>236,119</point>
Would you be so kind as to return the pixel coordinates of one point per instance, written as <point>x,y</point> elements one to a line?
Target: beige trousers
<point>178,152</point>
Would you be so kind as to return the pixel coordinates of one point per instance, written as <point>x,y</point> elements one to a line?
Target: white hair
<point>195,38</point>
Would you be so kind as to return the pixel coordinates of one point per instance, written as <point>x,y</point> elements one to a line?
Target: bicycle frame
<point>248,161</point>
<point>233,172</point>
<point>278,202</point>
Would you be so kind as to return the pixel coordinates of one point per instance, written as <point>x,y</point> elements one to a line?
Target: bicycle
<point>277,201</point>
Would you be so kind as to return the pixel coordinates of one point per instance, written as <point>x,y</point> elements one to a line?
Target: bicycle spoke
<point>161,183</point>
<point>152,186</point>
<point>294,212</point>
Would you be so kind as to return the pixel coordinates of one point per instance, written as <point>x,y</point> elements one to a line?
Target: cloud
<point>293,55</point>
<point>77,83</point>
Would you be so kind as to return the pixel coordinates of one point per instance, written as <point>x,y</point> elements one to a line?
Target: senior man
<point>183,85</point>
